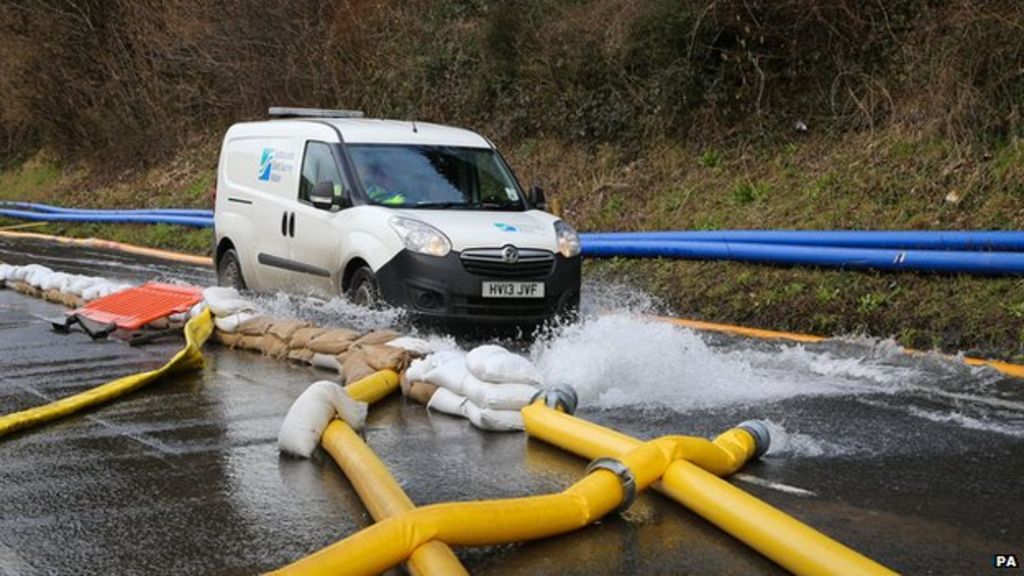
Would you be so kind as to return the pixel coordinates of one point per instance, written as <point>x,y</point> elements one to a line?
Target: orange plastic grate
<point>133,308</point>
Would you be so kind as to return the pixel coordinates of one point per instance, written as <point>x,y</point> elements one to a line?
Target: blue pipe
<point>898,239</point>
<point>989,263</point>
<point>144,218</point>
<point>50,209</point>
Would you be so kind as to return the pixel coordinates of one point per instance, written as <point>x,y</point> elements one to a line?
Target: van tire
<point>229,270</point>
<point>363,289</point>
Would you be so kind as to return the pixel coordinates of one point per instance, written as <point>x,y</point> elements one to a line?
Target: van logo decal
<point>275,162</point>
<point>509,255</point>
<point>266,164</point>
<point>505,227</point>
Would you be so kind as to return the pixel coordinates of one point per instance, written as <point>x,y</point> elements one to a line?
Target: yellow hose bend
<point>691,480</point>
<point>197,330</point>
<point>389,542</point>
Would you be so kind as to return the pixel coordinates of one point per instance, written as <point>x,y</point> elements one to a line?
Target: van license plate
<point>513,289</point>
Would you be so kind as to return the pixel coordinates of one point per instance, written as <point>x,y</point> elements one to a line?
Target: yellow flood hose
<point>790,543</point>
<point>377,488</point>
<point>197,330</point>
<point>385,544</point>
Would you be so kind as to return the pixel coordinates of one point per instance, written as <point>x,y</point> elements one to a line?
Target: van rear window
<point>413,176</point>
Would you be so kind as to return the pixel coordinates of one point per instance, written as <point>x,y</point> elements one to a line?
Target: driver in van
<point>381,186</point>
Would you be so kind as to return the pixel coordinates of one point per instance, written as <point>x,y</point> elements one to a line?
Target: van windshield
<point>413,176</point>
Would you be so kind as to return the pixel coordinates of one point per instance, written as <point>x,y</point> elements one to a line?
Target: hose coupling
<point>762,438</point>
<point>626,478</point>
<point>560,395</point>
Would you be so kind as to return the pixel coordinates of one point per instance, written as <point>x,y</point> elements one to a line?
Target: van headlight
<point>568,239</point>
<point>421,237</point>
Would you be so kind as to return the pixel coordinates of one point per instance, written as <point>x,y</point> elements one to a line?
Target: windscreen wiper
<point>495,206</point>
<point>438,205</point>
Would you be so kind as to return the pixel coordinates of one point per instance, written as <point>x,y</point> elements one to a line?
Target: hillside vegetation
<point>632,115</point>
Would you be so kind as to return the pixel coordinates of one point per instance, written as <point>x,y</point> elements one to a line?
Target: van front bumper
<point>442,288</point>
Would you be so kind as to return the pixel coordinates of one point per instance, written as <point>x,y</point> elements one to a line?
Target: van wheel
<point>229,271</point>
<point>363,289</point>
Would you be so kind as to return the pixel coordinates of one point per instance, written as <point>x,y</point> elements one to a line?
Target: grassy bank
<point>886,180</point>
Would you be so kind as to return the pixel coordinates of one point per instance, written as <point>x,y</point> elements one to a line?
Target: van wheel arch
<point>223,246</point>
<point>228,266</point>
<point>350,270</point>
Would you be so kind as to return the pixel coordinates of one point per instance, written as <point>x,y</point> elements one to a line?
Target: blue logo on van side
<point>505,227</point>
<point>266,164</point>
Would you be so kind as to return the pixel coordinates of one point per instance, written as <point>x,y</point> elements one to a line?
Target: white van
<point>418,215</point>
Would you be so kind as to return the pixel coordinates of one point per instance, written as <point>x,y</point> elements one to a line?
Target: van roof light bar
<point>287,112</point>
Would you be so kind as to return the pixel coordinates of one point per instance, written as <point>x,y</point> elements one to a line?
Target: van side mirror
<point>537,198</point>
<point>322,195</point>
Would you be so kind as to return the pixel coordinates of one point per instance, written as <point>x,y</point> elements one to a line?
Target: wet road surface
<point>919,467</point>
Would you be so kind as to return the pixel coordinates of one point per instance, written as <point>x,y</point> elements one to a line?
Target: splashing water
<point>333,312</point>
<point>621,360</point>
<point>792,443</point>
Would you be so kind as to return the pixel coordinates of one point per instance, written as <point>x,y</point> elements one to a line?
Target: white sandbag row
<point>449,402</point>
<point>487,386</point>
<point>487,375</point>
<point>86,288</point>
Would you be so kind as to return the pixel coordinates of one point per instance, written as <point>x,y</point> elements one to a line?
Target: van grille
<point>489,262</point>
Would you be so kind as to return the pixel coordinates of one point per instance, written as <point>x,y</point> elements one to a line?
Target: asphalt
<point>184,477</point>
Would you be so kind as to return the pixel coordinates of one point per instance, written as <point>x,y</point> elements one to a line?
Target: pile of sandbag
<point>487,386</point>
<point>352,354</point>
<point>71,290</point>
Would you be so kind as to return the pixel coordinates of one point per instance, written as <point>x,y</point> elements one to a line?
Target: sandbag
<point>57,281</point>
<point>497,396</point>
<point>255,326</point>
<point>310,414</point>
<point>451,403</point>
<point>493,420</point>
<point>232,322</point>
<point>333,341</point>
<point>448,402</point>
<point>492,363</point>
<point>52,295</point>
<point>196,309</point>
<point>377,337</point>
<point>227,338</point>
<point>303,336</point>
<point>285,329</point>
<point>304,355</point>
<point>79,285</point>
<point>159,324</point>
<point>95,291</point>
<point>419,369</point>
<point>37,276</point>
<point>415,346</point>
<point>250,342</point>
<point>421,392</point>
<point>326,362</point>
<point>273,346</point>
<point>22,272</point>
<point>384,357</point>
<point>25,288</point>
<point>70,300</point>
<point>356,368</point>
<point>448,373</point>
<point>224,301</point>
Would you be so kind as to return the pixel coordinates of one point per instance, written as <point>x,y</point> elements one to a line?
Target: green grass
<point>29,183</point>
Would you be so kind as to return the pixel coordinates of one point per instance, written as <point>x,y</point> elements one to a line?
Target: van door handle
<point>284,224</point>
<point>291,225</point>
